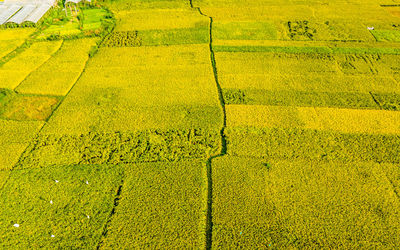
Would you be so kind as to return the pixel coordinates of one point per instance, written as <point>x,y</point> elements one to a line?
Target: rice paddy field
<point>203,124</point>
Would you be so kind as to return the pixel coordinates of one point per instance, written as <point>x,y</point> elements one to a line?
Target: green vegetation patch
<point>244,31</point>
<point>27,107</point>
<point>57,207</point>
<point>388,101</point>
<point>303,204</point>
<point>299,98</point>
<point>162,205</point>
<point>117,148</point>
<point>196,35</point>
<point>386,35</point>
<point>295,143</point>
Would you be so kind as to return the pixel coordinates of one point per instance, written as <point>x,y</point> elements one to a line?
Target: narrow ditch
<point>115,205</point>
<point>209,222</point>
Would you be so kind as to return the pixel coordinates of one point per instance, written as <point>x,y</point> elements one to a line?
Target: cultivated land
<point>203,124</point>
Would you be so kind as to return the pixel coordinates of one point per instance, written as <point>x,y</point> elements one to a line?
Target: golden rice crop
<point>15,34</point>
<point>8,46</point>
<point>318,118</point>
<point>259,203</point>
<point>308,72</point>
<point>59,73</point>
<point>162,205</point>
<point>14,71</point>
<point>15,136</point>
<point>126,89</point>
<point>159,19</point>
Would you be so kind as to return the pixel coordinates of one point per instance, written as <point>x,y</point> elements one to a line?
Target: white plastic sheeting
<point>22,14</point>
<point>8,13</point>
<point>38,13</point>
<point>19,11</point>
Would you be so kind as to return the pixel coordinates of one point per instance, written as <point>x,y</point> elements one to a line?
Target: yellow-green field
<point>205,124</point>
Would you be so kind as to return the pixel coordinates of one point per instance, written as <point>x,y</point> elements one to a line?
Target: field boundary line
<point>112,212</point>
<point>209,217</point>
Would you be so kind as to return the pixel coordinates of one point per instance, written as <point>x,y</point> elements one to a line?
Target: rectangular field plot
<point>14,71</point>
<point>15,137</point>
<point>159,19</point>
<point>198,35</point>
<point>57,207</point>
<point>356,100</point>
<point>57,75</point>
<point>309,144</point>
<point>121,147</point>
<point>162,205</point>
<point>301,204</point>
<point>330,119</point>
<point>128,89</point>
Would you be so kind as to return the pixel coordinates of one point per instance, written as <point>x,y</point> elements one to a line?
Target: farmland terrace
<point>203,124</point>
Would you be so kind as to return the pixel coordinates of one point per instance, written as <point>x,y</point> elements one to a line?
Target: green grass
<point>263,203</point>
<point>26,200</point>
<point>162,205</point>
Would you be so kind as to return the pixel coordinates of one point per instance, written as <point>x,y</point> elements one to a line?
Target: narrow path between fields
<point>209,222</point>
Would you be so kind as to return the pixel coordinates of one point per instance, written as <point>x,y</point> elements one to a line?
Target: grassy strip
<point>161,206</point>
<point>303,204</point>
<point>299,98</point>
<point>296,143</point>
<point>295,50</point>
<point>117,148</point>
<point>72,210</point>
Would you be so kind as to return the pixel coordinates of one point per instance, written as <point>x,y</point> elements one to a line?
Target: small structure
<point>20,11</point>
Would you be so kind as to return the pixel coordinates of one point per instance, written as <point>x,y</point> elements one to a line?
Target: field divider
<point>112,212</point>
<point>209,217</point>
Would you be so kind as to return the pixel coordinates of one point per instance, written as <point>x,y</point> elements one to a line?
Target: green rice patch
<point>245,31</point>
<point>259,203</point>
<point>388,101</point>
<point>57,207</point>
<point>386,35</point>
<point>198,35</point>
<point>162,205</point>
<point>296,143</point>
<point>120,148</point>
<point>299,98</point>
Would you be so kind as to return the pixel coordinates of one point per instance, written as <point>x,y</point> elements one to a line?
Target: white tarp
<point>22,14</point>
<point>38,13</point>
<point>8,13</point>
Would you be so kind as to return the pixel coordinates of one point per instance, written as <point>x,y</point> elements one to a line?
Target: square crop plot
<point>163,205</point>
<point>57,207</point>
<point>294,204</point>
